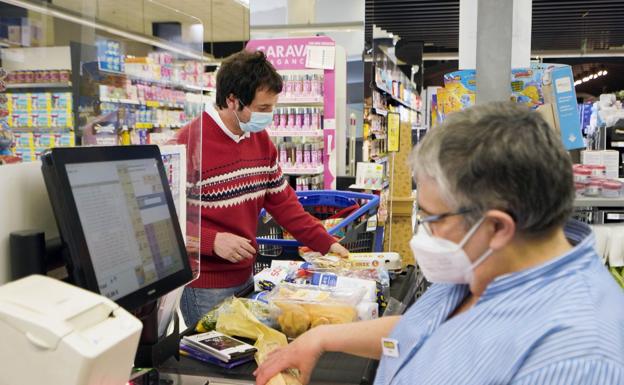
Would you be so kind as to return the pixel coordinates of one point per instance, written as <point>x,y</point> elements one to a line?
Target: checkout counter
<point>332,368</point>
<point>102,191</point>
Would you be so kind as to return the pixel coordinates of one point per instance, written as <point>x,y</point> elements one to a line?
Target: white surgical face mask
<point>258,121</point>
<point>444,261</point>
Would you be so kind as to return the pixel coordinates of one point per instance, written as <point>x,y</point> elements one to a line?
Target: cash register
<point>123,244</point>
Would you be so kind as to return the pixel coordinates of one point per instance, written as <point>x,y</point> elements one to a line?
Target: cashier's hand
<point>233,248</point>
<point>339,250</point>
<point>302,354</point>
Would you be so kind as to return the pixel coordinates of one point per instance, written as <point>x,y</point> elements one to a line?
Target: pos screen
<point>116,215</point>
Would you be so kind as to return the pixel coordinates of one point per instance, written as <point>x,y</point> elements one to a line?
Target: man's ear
<point>231,101</point>
<point>503,228</point>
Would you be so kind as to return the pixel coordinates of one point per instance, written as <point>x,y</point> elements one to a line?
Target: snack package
<point>259,309</point>
<point>305,306</point>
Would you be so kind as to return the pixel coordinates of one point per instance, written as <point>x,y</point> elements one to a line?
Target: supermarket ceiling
<point>223,20</point>
<point>557,24</point>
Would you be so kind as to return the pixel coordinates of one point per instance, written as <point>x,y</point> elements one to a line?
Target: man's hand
<point>232,247</point>
<point>303,354</point>
<point>339,250</point>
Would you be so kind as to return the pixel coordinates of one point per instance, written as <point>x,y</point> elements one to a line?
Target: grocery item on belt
<point>261,310</point>
<point>389,260</point>
<point>305,306</point>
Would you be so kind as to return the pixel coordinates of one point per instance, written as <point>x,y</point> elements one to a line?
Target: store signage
<point>288,53</point>
<point>394,124</point>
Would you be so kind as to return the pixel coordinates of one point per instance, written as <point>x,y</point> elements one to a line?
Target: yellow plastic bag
<point>240,322</point>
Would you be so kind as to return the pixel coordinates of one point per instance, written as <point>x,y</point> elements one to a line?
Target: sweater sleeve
<point>282,203</point>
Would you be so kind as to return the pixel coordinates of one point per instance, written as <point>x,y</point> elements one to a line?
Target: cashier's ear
<point>501,226</point>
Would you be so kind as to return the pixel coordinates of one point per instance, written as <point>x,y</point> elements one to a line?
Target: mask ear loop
<point>240,104</point>
<point>470,233</point>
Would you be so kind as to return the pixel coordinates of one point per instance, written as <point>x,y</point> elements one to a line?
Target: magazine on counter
<point>219,345</point>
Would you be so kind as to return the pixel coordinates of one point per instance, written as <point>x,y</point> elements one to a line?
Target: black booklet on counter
<point>220,346</point>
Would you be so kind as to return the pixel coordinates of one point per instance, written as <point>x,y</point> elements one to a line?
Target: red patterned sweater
<point>237,181</point>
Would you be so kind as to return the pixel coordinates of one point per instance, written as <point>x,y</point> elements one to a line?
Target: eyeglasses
<point>427,220</point>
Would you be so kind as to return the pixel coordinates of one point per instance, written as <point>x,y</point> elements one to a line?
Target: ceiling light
<point>604,72</point>
<point>586,78</point>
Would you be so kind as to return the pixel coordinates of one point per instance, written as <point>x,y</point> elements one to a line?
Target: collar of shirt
<point>582,239</point>
<point>214,114</point>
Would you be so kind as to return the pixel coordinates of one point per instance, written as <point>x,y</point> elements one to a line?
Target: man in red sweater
<point>239,176</point>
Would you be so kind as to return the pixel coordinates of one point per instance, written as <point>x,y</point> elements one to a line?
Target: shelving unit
<point>163,83</point>
<point>390,96</point>
<point>149,103</point>
<point>312,102</point>
<point>303,171</point>
<point>14,86</point>
<point>598,202</point>
<point>295,133</point>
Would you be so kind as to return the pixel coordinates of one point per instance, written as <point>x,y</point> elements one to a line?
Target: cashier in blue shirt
<point>519,296</point>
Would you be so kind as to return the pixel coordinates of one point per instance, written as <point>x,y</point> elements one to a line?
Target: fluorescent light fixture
<point>47,10</point>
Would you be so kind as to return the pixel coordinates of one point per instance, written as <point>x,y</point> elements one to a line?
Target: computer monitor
<point>116,215</point>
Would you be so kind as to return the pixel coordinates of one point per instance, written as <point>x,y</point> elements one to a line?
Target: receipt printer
<point>58,334</point>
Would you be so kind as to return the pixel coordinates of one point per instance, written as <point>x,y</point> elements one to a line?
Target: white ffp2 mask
<point>444,261</point>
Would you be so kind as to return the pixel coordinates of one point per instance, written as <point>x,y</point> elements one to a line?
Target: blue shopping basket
<point>323,204</point>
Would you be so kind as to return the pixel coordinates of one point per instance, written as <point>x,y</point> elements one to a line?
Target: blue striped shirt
<point>559,323</point>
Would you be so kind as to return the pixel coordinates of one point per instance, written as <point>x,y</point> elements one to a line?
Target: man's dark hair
<point>242,74</point>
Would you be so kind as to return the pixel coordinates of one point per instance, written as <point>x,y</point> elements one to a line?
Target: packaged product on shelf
<point>61,100</point>
<point>18,102</point>
<point>39,101</point>
<point>24,139</point>
<point>611,188</point>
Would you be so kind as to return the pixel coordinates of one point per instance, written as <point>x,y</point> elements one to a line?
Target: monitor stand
<point>152,350</point>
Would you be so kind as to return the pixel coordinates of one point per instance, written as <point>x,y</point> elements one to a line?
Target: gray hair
<point>499,156</point>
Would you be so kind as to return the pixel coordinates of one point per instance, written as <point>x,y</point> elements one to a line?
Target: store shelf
<point>303,171</point>
<point>304,101</point>
<point>389,93</point>
<point>360,187</point>
<point>295,133</point>
<point>149,103</point>
<point>598,202</point>
<point>144,125</point>
<point>37,85</point>
<point>188,87</point>
<point>41,129</point>
<point>380,160</point>
<point>379,111</point>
